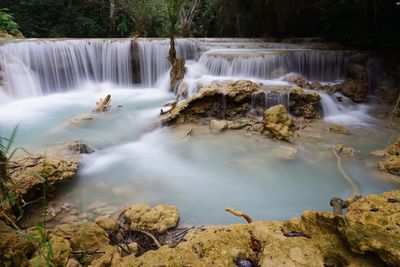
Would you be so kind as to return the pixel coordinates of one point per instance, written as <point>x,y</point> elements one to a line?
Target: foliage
<point>7,22</point>
<point>365,23</point>
<point>147,16</point>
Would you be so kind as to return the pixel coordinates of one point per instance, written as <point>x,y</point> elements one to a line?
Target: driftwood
<point>239,214</point>
<point>103,105</point>
<point>339,204</point>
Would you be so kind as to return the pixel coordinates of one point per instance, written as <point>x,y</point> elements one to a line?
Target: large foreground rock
<point>29,173</point>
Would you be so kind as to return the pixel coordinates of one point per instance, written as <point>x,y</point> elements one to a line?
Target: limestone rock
<point>30,172</point>
<point>391,161</point>
<point>84,237</point>
<point>307,105</point>
<point>230,98</point>
<point>372,226</point>
<point>297,80</point>
<point>61,252</point>
<point>345,150</point>
<point>177,72</point>
<point>336,128</point>
<point>158,219</point>
<point>15,249</point>
<point>394,149</point>
<point>357,90</point>
<point>278,122</point>
<point>217,126</point>
<point>391,164</point>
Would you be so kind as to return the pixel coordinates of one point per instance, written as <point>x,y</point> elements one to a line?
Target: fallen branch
<point>103,105</point>
<point>239,214</point>
<point>11,221</point>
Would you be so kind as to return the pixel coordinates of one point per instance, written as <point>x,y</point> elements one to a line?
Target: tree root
<point>239,214</point>
<point>349,179</point>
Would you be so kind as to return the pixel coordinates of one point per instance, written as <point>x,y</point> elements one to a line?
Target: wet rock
<point>110,257</point>
<point>15,249</point>
<point>217,100</point>
<point>297,80</point>
<point>217,126</point>
<point>357,90</point>
<point>306,105</point>
<point>394,149</point>
<point>357,71</point>
<point>315,86</point>
<point>391,160</point>
<point>278,122</point>
<point>391,164</point>
<point>336,128</point>
<point>158,219</point>
<point>31,172</point>
<point>379,153</point>
<point>239,124</point>
<point>78,147</point>
<point>345,150</point>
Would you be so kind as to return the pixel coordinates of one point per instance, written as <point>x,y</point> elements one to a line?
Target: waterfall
<point>268,64</point>
<point>41,67</point>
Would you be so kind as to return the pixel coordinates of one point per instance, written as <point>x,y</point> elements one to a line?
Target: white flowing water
<point>49,82</point>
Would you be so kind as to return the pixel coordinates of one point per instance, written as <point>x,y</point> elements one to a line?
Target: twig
<point>11,221</point>
<point>239,214</point>
<point>149,235</point>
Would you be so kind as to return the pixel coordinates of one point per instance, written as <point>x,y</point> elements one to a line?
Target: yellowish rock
<point>278,122</point>
<point>159,218</point>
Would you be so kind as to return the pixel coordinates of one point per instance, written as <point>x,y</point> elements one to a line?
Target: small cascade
<point>261,101</point>
<point>153,57</point>
<point>270,64</point>
<point>273,98</point>
<point>41,67</point>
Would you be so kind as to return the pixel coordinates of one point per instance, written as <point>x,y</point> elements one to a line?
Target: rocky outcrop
<point>278,122</point>
<point>31,172</point>
<point>391,158</point>
<point>230,99</point>
<point>157,219</point>
<point>177,72</point>
<point>367,235</point>
<point>306,105</point>
<point>371,226</point>
<point>217,126</point>
<point>357,90</point>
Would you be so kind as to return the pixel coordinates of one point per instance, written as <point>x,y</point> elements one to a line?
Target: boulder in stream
<point>278,122</point>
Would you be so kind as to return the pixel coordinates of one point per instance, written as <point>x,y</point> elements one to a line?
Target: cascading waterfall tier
<point>41,67</point>
<point>36,67</point>
<point>268,64</point>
